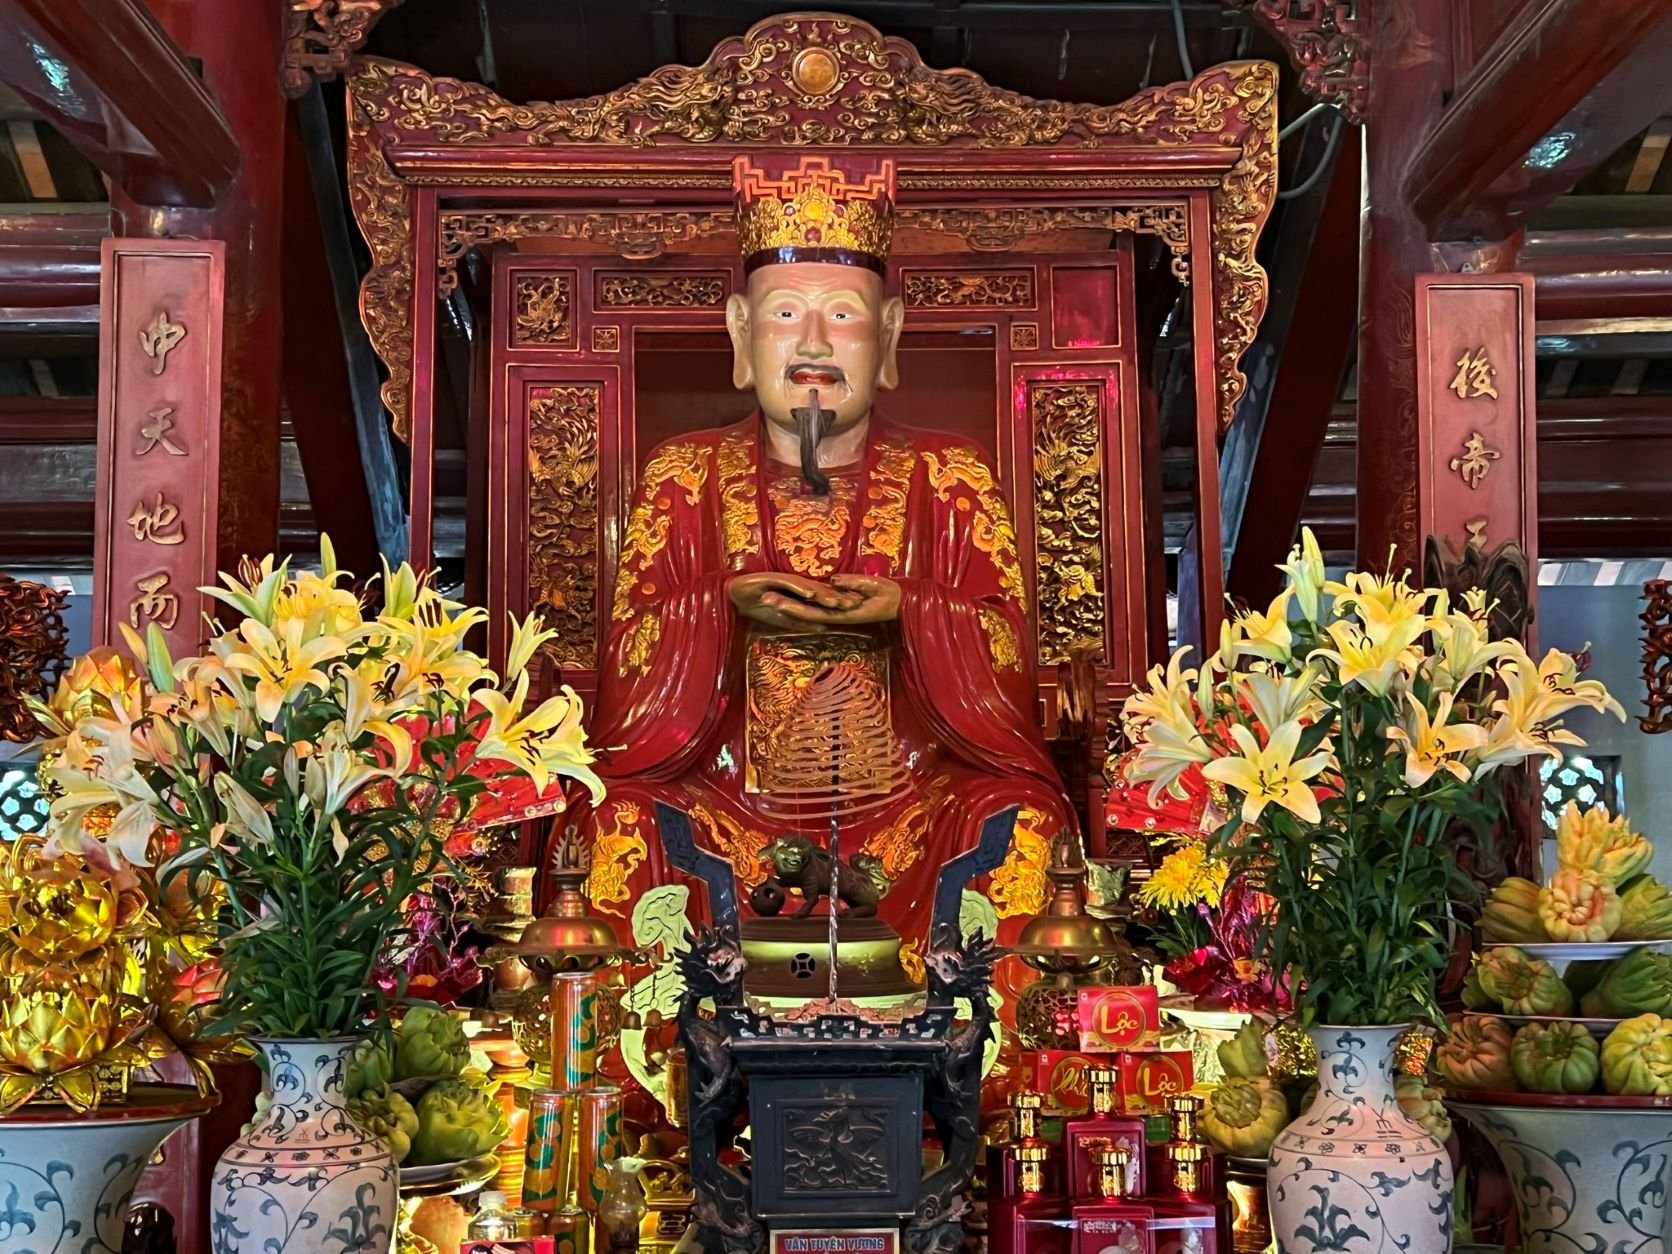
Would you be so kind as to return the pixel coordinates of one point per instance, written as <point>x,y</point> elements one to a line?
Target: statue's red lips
<point>812,377</point>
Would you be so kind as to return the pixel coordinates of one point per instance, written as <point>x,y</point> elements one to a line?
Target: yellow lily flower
<point>1380,604</point>
<point>1305,573</point>
<point>1372,658</point>
<point>336,773</point>
<point>362,714</point>
<point>1521,730</point>
<point>512,737</point>
<point>1462,649</point>
<point>1167,696</point>
<point>1169,747</point>
<point>526,638</point>
<point>1271,775</point>
<point>256,594</point>
<point>281,662</point>
<point>1563,690</point>
<point>1278,698</point>
<point>1433,745</point>
<point>1264,634</point>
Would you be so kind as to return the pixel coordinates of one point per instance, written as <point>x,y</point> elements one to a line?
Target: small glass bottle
<point>497,1220</point>
<point>1111,1219</point>
<point>1103,1128</point>
<point>1031,1222</point>
<point>1002,1164</point>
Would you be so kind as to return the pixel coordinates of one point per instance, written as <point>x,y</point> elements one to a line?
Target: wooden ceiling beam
<point>49,266</point>
<point>105,74</point>
<point>48,420</point>
<point>1561,90</point>
<point>1600,274</point>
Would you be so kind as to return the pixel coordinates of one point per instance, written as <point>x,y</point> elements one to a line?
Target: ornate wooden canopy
<point>417,143</point>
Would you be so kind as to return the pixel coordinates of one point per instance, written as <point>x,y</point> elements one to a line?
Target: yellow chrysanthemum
<point>1187,876</point>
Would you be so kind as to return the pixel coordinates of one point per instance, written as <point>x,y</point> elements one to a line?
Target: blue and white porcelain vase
<point>306,1179</point>
<point>66,1180</point>
<point>1354,1174</point>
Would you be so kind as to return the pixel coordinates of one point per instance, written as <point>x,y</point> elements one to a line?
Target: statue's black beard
<point>812,424</point>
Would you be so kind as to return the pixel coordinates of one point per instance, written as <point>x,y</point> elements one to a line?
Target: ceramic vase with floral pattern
<point>1354,1173</point>
<point>306,1179</point>
<point>65,1184</point>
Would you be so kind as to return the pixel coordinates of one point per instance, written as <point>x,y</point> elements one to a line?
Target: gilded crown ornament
<point>833,209</point>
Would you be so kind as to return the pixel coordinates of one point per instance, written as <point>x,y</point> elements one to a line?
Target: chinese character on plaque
<point>1477,451</point>
<point>157,518</point>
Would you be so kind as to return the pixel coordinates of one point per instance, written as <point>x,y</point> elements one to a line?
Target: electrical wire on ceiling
<point>1337,125</point>
<point>1183,43</point>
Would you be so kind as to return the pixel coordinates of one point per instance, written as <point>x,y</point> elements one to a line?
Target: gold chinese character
<point>159,339</point>
<point>1475,460</point>
<point>156,431</point>
<point>156,605</point>
<point>158,523</point>
<point>1476,527</point>
<point>1474,376</point>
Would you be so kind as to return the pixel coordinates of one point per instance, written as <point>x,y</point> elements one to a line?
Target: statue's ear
<point>893,316</point>
<point>737,326</point>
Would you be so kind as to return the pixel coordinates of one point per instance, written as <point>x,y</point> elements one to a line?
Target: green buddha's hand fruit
<point>1244,1115</point>
<point>1425,1105</point>
<point>430,1043</point>
<point>1511,913</point>
<point>1522,985</point>
<point>370,1066</point>
<point>456,1121</point>
<point>1645,910</point>
<point>1637,1058</point>
<point>1244,1055</point>
<point>1475,1054</point>
<point>1558,1058</point>
<point>385,1113</point>
<point>1638,984</point>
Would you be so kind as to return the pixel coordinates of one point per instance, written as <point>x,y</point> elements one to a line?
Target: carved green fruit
<point>1475,1054</point>
<point>1511,913</point>
<point>1637,1058</point>
<point>1645,910</point>
<point>1244,1115</point>
<point>1522,985</point>
<point>1638,984</point>
<point>1555,1058</point>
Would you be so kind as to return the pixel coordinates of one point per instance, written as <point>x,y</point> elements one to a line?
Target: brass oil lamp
<point>1071,949</point>
<point>567,937</point>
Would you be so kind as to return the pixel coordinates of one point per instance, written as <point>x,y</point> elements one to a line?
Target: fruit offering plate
<point>1579,951</point>
<point>1558,1101</point>
<point>455,1172</point>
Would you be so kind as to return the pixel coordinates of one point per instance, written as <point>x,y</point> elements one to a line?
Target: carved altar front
<point>613,252</point>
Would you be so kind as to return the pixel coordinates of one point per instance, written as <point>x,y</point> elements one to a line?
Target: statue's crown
<point>818,209</point>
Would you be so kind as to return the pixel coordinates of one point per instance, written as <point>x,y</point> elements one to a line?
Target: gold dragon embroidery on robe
<point>809,530</point>
<point>990,528</point>
<point>616,854</point>
<point>739,513</point>
<point>683,464</point>
<point>884,523</point>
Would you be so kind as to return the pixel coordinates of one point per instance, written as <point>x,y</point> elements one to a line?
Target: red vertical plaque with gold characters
<point>1477,437</point>
<point>160,308</point>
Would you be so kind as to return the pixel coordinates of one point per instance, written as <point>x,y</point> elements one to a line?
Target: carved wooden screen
<point>573,341</point>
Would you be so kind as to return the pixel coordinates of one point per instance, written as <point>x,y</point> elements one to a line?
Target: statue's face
<point>814,326</point>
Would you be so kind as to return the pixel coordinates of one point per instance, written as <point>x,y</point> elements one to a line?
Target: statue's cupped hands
<point>781,600</point>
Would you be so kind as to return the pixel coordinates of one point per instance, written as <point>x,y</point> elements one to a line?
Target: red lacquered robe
<point>924,509</point>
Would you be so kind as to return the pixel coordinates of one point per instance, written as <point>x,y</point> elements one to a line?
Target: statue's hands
<point>789,600</point>
<point>880,598</point>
